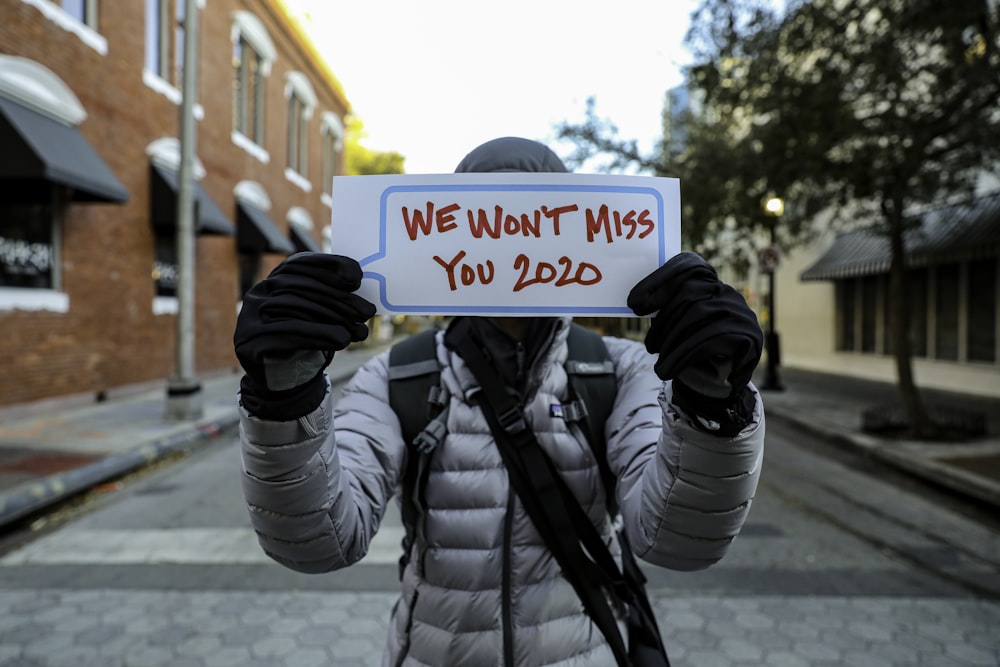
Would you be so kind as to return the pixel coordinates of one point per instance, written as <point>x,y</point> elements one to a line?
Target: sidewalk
<point>831,406</point>
<point>47,455</point>
<point>53,451</point>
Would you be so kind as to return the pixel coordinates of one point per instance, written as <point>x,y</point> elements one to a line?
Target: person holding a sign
<point>483,583</point>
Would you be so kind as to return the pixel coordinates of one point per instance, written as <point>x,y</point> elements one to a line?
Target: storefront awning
<point>39,151</point>
<point>255,232</point>
<point>948,234</point>
<point>163,205</point>
<point>302,240</point>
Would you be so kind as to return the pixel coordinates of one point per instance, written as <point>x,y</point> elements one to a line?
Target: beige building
<point>832,301</point>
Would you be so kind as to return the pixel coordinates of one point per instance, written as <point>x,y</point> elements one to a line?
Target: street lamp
<point>774,207</point>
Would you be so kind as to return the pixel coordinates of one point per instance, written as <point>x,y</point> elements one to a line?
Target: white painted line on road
<point>177,546</point>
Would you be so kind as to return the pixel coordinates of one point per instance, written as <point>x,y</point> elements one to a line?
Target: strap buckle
<point>512,421</point>
<point>574,411</point>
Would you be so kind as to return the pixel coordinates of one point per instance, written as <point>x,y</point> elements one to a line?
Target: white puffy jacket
<point>489,592</point>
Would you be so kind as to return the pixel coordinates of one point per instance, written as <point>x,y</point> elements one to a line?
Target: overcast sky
<point>435,78</point>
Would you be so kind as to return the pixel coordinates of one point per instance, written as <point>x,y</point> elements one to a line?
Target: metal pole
<point>184,399</point>
<point>772,381</point>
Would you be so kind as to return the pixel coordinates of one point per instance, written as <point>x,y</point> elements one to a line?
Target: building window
<point>946,312</point>
<point>28,245</point>
<point>917,282</point>
<point>333,145</point>
<point>845,296</point>
<point>982,309</point>
<point>249,271</point>
<point>953,312</point>
<point>253,54</point>
<point>248,103</point>
<point>869,313</point>
<point>165,51</point>
<point>84,11</point>
<point>298,153</point>
<point>165,265</point>
<point>301,103</point>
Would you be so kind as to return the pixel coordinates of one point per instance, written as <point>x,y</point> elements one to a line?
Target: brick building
<point>89,125</point>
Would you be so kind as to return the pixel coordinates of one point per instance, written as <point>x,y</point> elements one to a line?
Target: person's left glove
<point>289,327</point>
<point>708,340</point>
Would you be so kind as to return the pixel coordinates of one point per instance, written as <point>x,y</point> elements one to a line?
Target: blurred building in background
<point>834,294</point>
<point>90,99</point>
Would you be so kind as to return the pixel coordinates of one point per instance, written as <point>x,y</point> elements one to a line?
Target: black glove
<point>708,340</point>
<point>289,327</point>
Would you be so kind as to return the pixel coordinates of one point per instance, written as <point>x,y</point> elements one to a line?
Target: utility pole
<point>184,397</point>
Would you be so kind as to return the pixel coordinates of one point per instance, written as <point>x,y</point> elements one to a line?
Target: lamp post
<point>184,397</point>
<point>774,207</point>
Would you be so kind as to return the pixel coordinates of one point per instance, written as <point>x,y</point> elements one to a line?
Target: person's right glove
<point>708,340</point>
<point>289,327</point>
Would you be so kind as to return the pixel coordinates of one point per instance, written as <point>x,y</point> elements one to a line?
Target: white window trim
<point>29,298</point>
<point>166,152</point>
<point>58,15</point>
<point>331,123</point>
<point>298,180</point>
<point>165,305</point>
<point>326,200</point>
<point>296,83</point>
<point>249,27</point>
<point>250,146</point>
<point>160,85</point>
<point>253,194</point>
<point>299,217</point>
<point>35,86</point>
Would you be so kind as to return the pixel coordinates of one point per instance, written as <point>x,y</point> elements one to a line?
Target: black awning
<point>163,205</point>
<point>303,240</point>
<point>954,233</point>
<point>255,232</point>
<point>854,254</point>
<point>39,151</point>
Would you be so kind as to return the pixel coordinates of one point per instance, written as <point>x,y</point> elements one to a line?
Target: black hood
<point>511,154</point>
<point>518,155</point>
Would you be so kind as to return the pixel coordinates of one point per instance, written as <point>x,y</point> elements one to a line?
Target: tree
<point>870,110</point>
<point>362,161</point>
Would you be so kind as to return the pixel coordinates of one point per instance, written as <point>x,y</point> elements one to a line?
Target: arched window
<point>253,55</point>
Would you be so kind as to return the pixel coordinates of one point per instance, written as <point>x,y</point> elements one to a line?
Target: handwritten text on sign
<point>516,244</point>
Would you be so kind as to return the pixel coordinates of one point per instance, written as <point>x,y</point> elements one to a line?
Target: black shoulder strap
<point>546,499</point>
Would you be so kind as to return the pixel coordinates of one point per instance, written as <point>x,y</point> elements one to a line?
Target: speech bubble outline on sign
<point>504,243</point>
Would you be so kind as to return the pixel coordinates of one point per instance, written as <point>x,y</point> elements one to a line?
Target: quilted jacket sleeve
<point>316,498</point>
<point>684,493</point>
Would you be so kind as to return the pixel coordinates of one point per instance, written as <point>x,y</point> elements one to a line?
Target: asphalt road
<point>839,564</point>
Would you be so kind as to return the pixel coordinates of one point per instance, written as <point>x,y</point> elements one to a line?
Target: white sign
<point>505,243</point>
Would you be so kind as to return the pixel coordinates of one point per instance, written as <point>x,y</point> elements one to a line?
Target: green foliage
<point>362,161</point>
<point>866,109</point>
<point>882,105</point>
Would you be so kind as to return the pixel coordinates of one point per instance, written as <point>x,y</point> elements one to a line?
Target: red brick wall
<point>110,337</point>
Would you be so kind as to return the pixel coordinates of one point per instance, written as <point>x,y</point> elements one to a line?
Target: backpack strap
<point>416,396</point>
<point>593,388</point>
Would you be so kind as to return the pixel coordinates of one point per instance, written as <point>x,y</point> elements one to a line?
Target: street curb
<point>39,494</point>
<point>954,479</point>
<point>36,495</point>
